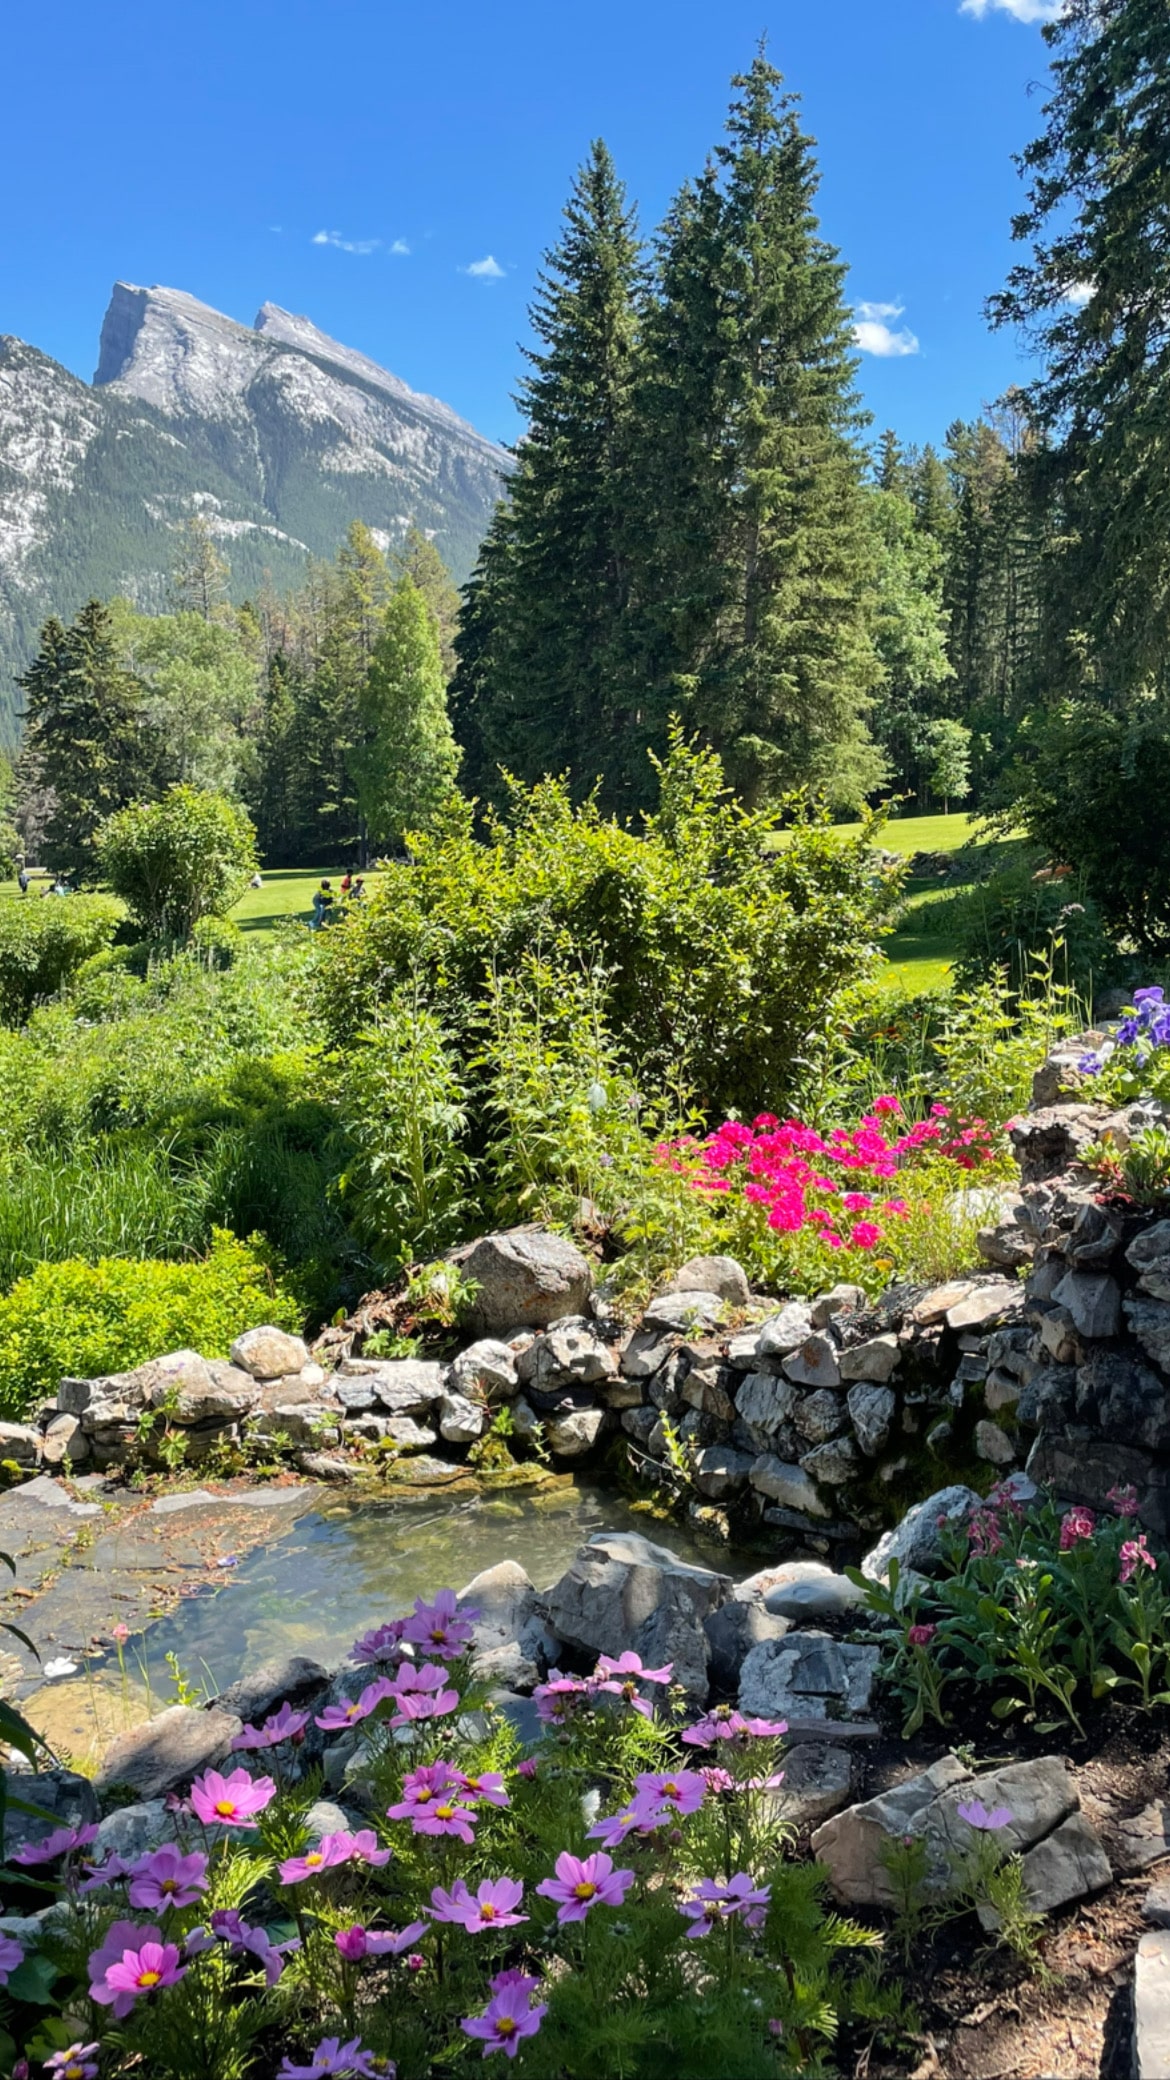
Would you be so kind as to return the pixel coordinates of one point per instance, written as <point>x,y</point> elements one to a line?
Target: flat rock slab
<point>818,1781</point>
<point>1142,1840</point>
<point>808,1675</point>
<point>804,1591</point>
<point>1151,2006</point>
<point>168,1751</point>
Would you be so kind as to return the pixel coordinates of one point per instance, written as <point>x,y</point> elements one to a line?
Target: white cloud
<point>1078,294</point>
<point>1020,10</point>
<point>873,333</point>
<point>486,270</point>
<point>400,246</point>
<point>346,245</point>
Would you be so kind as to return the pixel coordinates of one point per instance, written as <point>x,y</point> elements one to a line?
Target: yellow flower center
<point>149,1978</point>
<point>505,2026</point>
<point>487,1912</point>
<point>584,1890</point>
<point>73,2072</point>
<point>314,1857</point>
<point>168,1885</point>
<point>423,1797</point>
<point>226,1809</point>
<point>445,1812</point>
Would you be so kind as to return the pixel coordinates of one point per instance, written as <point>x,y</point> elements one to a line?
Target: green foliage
<point>406,758</point>
<point>948,751</point>
<point>1028,923</point>
<point>174,861</point>
<point>87,1319</point>
<point>44,941</point>
<point>909,631</point>
<point>198,680</point>
<point>1141,1171</point>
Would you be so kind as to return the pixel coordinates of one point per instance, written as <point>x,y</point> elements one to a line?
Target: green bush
<point>44,941</point>
<point>175,861</point>
<point>1013,920</point>
<point>88,1319</point>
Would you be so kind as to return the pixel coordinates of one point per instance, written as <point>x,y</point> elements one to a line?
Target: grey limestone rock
<point>1068,1865</point>
<point>819,1416</point>
<point>1151,2006</point>
<point>489,1366</point>
<point>461,1421</point>
<point>569,1354</point>
<point>524,1277</point>
<point>807,1677</point>
<point>293,1680</point>
<point>840,1299</point>
<point>871,1412</point>
<point>1149,1324</point>
<point>1093,1299</point>
<point>814,1363</point>
<point>765,1404</point>
<point>788,1485</point>
<point>986,1306</point>
<point>994,1445</point>
<point>269,1353</point>
<point>64,1798</point>
<point>720,1471</point>
<point>646,1352</point>
<point>624,1592</point>
<point>732,1631</point>
<point>168,1751</point>
<point>572,1434</point>
<point>834,1462</point>
<point>916,1542</point>
<point>806,1590</point>
<point>703,1389</point>
<point>784,1333</point>
<point>875,1360</point>
<point>721,1275</point>
<point>818,1781</point>
<point>682,1314</point>
<point>1124,1399</point>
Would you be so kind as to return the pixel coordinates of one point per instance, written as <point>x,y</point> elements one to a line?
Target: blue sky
<point>395,171</point>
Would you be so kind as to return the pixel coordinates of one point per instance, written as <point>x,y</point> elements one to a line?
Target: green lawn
<point>287,892</point>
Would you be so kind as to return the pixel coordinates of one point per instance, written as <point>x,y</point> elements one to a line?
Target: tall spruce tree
<point>86,737</point>
<point>754,590</point>
<point>546,600</point>
<point>406,763</point>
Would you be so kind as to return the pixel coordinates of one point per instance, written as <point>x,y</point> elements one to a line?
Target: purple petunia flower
<point>349,1711</point>
<point>357,1942</point>
<point>166,1878</point>
<point>508,2018</point>
<point>284,1725</point>
<point>711,1904</point>
<point>976,1815</point>
<point>62,1842</point>
<point>332,1850</point>
<point>492,1905</point>
<point>582,1883</point>
<point>440,1627</point>
<point>11,1958</point>
<point>79,2062</point>
<point>334,2057</point>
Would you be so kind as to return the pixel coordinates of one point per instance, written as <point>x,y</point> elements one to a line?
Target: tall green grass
<point>125,1202</point>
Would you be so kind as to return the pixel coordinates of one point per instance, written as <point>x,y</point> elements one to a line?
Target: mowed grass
<point>288,892</point>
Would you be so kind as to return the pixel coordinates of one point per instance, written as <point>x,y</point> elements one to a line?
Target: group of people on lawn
<point>327,904</point>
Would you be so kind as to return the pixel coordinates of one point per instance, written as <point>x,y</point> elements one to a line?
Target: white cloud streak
<point>1019,10</point>
<point>1078,294</point>
<point>399,247</point>
<point>874,334</point>
<point>486,270</point>
<point>346,245</point>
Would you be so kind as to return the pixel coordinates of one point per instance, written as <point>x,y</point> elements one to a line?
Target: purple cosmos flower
<point>527,1768</point>
<point>11,1957</point>
<point>348,1711</point>
<point>725,1725</point>
<point>332,2056</point>
<point>122,1937</point>
<point>99,1875</point>
<point>684,1789</point>
<point>419,1694</point>
<point>230,1801</point>
<point>508,2018</point>
<point>357,1942</point>
<point>613,1830</point>
<point>560,1697</point>
<point>629,1664</point>
<point>167,1878</point>
<point>711,1904</point>
<point>486,1787</point>
<point>229,1925</point>
<point>439,1626</point>
<point>383,1644</point>
<point>424,1787</point>
<point>582,1883</point>
<point>78,2063</point>
<point>332,1850</point>
<point>976,1815</point>
<point>491,1906</point>
<point>62,1842</point>
<point>142,1968</point>
<point>446,1816</point>
<point>284,1725</point>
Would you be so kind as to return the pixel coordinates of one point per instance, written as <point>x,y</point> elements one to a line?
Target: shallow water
<point>344,1569</point>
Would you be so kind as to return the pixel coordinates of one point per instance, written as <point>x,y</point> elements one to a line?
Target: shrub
<point>175,861</point>
<point>87,1319</point>
<point>1022,925</point>
<point>43,942</point>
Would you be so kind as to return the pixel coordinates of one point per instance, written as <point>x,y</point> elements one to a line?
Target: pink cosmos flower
<point>493,1905</point>
<point>487,1787</point>
<point>723,1724</point>
<point>976,1815</point>
<point>11,1958</point>
<point>422,1788</point>
<point>131,1962</point>
<point>1134,1554</point>
<point>349,1711</point>
<point>334,2057</point>
<point>284,1725</point>
<point>62,1842</point>
<point>447,1816</point>
<point>229,1926</point>
<point>629,1664</point>
<point>921,1635</point>
<point>636,1818</point>
<point>419,1694</point>
<point>99,1875</point>
<point>560,1697</point>
<point>684,1790</point>
<point>508,2018</point>
<point>382,1644</point>
<point>527,1768</point>
<point>79,2062</point>
<point>718,1781</point>
<point>166,1878</point>
<point>230,1801</point>
<point>1124,1500</point>
<point>357,1942</point>
<point>620,1678</point>
<point>582,1883</point>
<point>1076,1525</point>
<point>333,1850</point>
<point>440,1627</point>
<point>710,1904</point>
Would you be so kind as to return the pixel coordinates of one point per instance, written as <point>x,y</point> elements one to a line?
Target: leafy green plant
<point>43,943</point>
<point>177,860</point>
<point>1141,1171</point>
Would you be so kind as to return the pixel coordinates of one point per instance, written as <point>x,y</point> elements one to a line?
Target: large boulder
<point>269,1353</point>
<point>511,1644</point>
<point>168,1751</point>
<point>916,1543</point>
<point>524,1278</point>
<point>293,1680</point>
<point>623,1592</point>
<point>721,1275</point>
<point>63,1799</point>
<point>808,1676</point>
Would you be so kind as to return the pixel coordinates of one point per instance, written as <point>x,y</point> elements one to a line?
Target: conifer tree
<point>546,600</point>
<point>406,763</point>
<point>419,560</point>
<point>85,734</point>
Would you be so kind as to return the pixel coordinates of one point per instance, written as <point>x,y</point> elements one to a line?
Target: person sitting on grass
<point>323,900</point>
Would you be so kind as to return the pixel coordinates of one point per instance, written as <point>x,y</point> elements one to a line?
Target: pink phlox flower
<point>492,1905</point>
<point>11,1958</point>
<point>921,1635</point>
<point>166,1878</point>
<point>1075,1525</point>
<point>1134,1554</point>
<point>897,1207</point>
<point>79,2062</point>
<point>349,1711</point>
<point>865,1235</point>
<point>422,1787</point>
<point>857,1202</point>
<point>582,1883</point>
<point>62,1842</point>
<point>284,1725</point>
<point>684,1789</point>
<point>441,1627</point>
<point>711,1904</point>
<point>559,1698</point>
<point>230,1801</point>
<point>486,1787</point>
<point>976,1815</point>
<point>334,2057</point>
<point>1124,1500</point>
<point>508,2018</point>
<point>357,1942</point>
<point>887,1103</point>
<point>333,1850</point>
<point>382,1644</point>
<point>149,1968</point>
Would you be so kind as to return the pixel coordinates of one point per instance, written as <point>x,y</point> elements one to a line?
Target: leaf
<point>34,1980</point>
